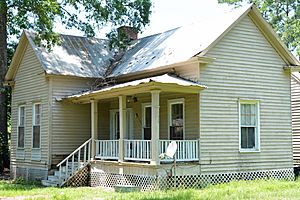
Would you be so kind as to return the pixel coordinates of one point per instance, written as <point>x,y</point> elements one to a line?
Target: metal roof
<point>76,56</point>
<point>166,78</point>
<point>91,57</point>
<point>177,45</point>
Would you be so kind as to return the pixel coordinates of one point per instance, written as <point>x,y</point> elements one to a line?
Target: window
<point>176,119</point>
<point>21,127</point>
<point>147,121</point>
<point>249,125</point>
<point>36,126</point>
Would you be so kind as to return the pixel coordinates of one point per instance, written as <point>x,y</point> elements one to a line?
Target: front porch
<point>136,121</point>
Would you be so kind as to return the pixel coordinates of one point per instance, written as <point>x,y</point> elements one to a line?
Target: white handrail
<point>137,150</point>
<point>75,163</point>
<point>107,149</point>
<point>69,156</point>
<point>187,150</point>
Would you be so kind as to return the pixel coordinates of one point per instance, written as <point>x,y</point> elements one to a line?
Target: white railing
<point>137,150</point>
<point>187,150</point>
<point>107,149</point>
<point>75,161</point>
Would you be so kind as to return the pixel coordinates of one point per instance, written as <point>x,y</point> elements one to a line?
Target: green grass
<point>239,190</point>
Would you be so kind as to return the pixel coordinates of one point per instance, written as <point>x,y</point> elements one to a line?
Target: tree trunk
<point>3,98</point>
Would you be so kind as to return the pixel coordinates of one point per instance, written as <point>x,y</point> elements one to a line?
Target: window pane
<point>253,114</point>
<point>251,137</point>
<point>248,115</point>
<point>22,116</point>
<point>176,128</point>
<point>21,137</point>
<point>177,114</point>
<point>243,118</point>
<point>247,137</point>
<point>37,112</point>
<point>147,117</point>
<point>176,133</point>
<point>36,137</point>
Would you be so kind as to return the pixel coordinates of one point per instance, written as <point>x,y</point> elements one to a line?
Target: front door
<point>115,124</point>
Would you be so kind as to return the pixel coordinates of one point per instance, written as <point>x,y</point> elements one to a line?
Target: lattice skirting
<point>147,183</point>
<point>82,178</point>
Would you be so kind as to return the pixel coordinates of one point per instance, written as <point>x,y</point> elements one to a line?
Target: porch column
<point>94,126</point>
<point>155,127</point>
<point>122,115</point>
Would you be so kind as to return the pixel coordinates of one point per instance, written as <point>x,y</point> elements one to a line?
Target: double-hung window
<point>21,127</point>
<point>176,119</point>
<point>36,126</point>
<point>249,125</point>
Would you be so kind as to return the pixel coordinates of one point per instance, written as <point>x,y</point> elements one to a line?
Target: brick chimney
<point>130,32</point>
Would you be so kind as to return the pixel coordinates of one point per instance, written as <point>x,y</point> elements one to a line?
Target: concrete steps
<point>57,179</point>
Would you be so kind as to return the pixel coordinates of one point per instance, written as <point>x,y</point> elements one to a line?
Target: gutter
<point>164,69</point>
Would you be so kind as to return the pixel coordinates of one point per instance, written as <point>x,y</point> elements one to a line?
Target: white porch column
<point>122,115</point>
<point>94,126</point>
<point>155,127</point>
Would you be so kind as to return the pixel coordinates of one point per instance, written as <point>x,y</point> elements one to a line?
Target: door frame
<point>129,125</point>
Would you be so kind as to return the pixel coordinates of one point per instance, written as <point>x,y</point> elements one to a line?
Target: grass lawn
<point>259,189</point>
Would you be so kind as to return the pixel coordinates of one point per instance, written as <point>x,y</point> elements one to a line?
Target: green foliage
<point>284,16</point>
<point>40,16</point>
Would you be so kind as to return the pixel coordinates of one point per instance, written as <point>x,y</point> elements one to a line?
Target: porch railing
<point>137,150</point>
<point>140,150</point>
<point>107,149</point>
<point>187,150</point>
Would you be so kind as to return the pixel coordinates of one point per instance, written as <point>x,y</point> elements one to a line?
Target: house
<point>220,88</point>
<point>295,92</point>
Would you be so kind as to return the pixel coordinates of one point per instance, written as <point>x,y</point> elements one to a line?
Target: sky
<point>169,14</point>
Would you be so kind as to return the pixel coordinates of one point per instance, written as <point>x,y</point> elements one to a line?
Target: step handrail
<point>86,146</point>
<point>74,152</point>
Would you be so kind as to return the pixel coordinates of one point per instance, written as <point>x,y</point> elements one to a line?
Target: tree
<point>284,17</point>
<point>40,16</point>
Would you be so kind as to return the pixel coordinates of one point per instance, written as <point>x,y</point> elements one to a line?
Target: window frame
<point>19,120</point>
<point>33,124</point>
<point>144,106</point>
<point>170,103</point>
<point>257,128</point>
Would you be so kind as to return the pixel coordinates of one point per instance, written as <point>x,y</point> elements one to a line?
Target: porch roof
<point>164,83</point>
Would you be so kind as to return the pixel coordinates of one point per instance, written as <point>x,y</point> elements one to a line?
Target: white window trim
<point>257,133</point>
<point>144,106</point>
<point>19,119</point>
<point>33,123</point>
<point>171,102</point>
<point>111,122</point>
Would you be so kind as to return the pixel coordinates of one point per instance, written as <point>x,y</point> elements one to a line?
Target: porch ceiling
<point>164,83</point>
